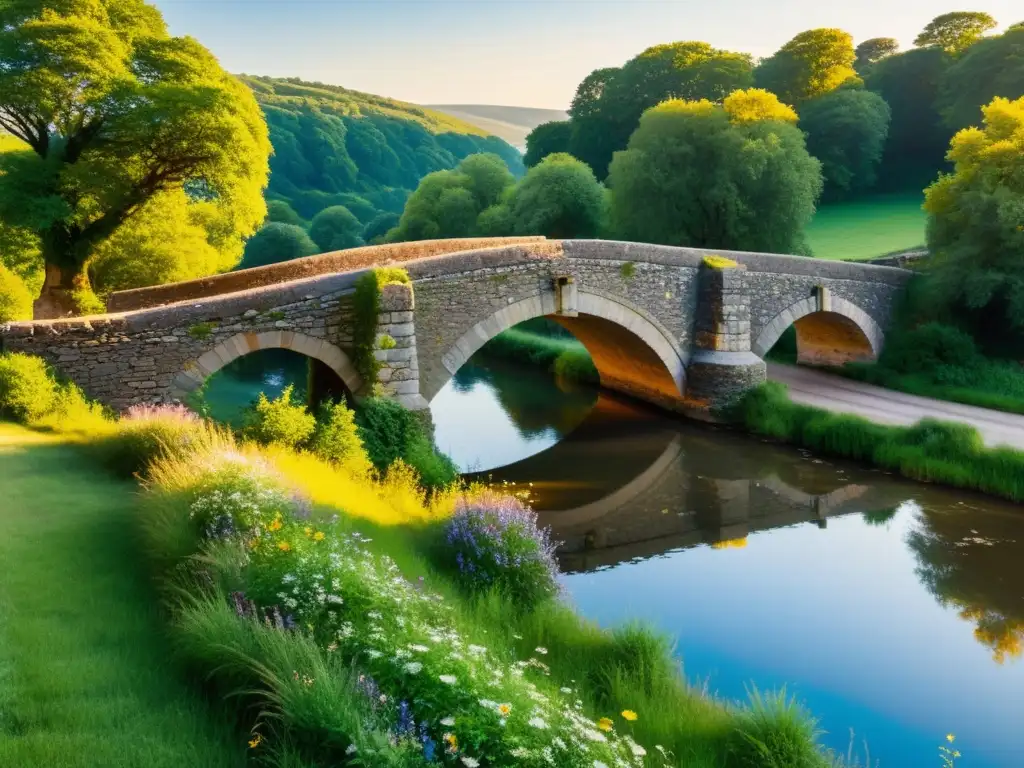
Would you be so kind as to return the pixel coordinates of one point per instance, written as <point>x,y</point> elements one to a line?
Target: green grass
<point>564,357</point>
<point>85,676</point>
<point>866,229</point>
<point>930,451</point>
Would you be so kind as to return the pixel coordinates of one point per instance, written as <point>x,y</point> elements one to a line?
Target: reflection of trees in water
<point>971,571</point>
<point>534,401</point>
<point>880,517</point>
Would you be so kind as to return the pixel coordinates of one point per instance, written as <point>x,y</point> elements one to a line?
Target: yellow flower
<point>308,531</point>
<point>275,524</point>
<point>605,724</point>
<point>950,738</point>
<point>284,546</point>
<point>318,536</point>
<point>504,709</point>
<point>255,741</point>
<point>629,714</point>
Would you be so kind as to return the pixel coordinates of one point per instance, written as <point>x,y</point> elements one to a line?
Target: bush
<point>391,432</point>
<point>775,732</point>
<point>925,348</point>
<point>147,432</point>
<point>15,298</point>
<point>279,421</point>
<point>27,389</point>
<point>494,543</point>
<point>336,438</point>
<point>74,413</point>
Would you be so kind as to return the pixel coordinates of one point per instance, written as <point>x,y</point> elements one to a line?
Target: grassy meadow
<point>868,228</point>
<point>85,672</point>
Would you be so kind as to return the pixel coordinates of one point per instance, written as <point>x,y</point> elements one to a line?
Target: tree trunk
<point>57,297</point>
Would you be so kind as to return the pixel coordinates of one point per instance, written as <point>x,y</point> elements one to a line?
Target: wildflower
<point>413,667</point>
<point>318,536</point>
<point>542,651</point>
<point>537,722</point>
<point>351,749</point>
<point>470,762</point>
<point>255,741</point>
<point>448,721</point>
<point>449,679</point>
<point>950,738</point>
<point>605,724</point>
<point>284,546</point>
<point>629,714</point>
<point>275,524</point>
<point>504,709</point>
<point>452,741</point>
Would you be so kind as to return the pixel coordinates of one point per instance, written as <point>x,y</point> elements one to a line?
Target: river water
<point>893,610</point>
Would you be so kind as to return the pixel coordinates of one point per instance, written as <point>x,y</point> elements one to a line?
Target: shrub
<point>279,421</point>
<point>336,438</point>
<point>774,732</point>
<point>74,413</point>
<point>27,389</point>
<point>147,432</point>
<point>927,347</point>
<point>494,543</point>
<point>15,298</point>
<point>391,432</point>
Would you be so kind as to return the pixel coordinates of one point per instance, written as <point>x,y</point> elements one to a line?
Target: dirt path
<point>886,406</point>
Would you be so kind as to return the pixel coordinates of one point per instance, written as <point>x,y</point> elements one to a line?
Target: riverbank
<point>315,593</point>
<point>86,676</point>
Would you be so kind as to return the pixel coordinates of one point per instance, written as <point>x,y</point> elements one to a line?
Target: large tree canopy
<point>115,112</point>
<point>609,102</point>
<point>275,243</point>
<point>811,64</point>
<point>335,229</point>
<point>991,67</point>
<point>874,50</point>
<point>547,139</point>
<point>846,130</point>
<point>559,198</point>
<point>447,203</point>
<point>697,175</point>
<point>915,150</point>
<point>955,32</point>
<point>976,218</point>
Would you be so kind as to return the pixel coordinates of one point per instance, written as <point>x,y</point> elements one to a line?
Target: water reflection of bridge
<point>626,486</point>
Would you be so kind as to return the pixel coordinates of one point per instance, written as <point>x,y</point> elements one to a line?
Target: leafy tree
<point>171,238</point>
<point>335,229</point>
<point>609,103</point>
<point>560,198</point>
<point>15,299</point>
<point>811,64</point>
<point>114,112</point>
<point>277,242</point>
<point>380,226</point>
<point>447,203</point>
<point>756,104</point>
<point>976,219</point>
<point>695,176</point>
<point>872,51</point>
<point>547,139</point>
<point>955,32</point>
<point>915,149</point>
<point>495,221</point>
<point>991,67</point>
<point>283,213</point>
<point>846,130</point>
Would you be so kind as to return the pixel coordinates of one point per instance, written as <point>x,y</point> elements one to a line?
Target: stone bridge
<point>660,323</point>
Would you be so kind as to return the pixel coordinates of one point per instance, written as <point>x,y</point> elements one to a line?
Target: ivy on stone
<point>367,310</point>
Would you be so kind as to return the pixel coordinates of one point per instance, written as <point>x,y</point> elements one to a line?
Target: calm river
<point>893,610</point>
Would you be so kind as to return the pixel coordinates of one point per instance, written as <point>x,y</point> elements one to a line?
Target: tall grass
<point>930,451</point>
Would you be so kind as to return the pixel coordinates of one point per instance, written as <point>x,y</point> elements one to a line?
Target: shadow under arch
<point>241,344</point>
<point>829,331</point>
<point>653,370</point>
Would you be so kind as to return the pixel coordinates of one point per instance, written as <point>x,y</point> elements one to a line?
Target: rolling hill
<point>334,146</point>
<point>509,123</point>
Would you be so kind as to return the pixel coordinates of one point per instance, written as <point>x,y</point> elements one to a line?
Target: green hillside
<point>333,146</point>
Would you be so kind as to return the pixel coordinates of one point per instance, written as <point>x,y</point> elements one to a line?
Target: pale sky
<point>529,53</point>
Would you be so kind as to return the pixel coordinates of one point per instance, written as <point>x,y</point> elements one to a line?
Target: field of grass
<point>85,676</point>
<point>865,229</point>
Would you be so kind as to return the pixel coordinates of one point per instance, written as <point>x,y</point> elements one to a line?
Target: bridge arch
<point>198,371</point>
<point>609,328</point>
<point>830,331</point>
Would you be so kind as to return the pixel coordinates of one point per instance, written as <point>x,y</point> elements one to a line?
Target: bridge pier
<point>722,366</point>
